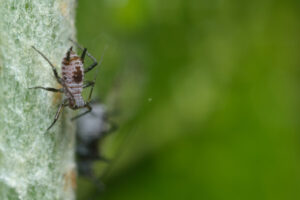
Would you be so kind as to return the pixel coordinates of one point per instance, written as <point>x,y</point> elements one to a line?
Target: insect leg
<point>87,105</point>
<point>89,84</point>
<point>48,89</point>
<point>94,64</point>
<point>53,67</point>
<point>83,54</point>
<point>61,106</point>
<point>91,92</point>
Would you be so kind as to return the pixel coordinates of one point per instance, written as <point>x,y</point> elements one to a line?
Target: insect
<point>72,81</point>
<point>91,130</point>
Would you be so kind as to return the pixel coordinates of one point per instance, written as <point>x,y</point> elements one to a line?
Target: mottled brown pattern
<point>77,75</point>
<point>74,58</point>
<point>67,62</point>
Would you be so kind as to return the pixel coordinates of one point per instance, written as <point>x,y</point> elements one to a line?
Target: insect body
<point>72,81</point>
<point>72,74</point>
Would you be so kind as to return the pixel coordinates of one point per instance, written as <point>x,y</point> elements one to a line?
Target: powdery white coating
<point>73,75</point>
<point>34,165</point>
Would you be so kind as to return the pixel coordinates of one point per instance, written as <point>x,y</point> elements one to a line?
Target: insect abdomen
<point>73,74</point>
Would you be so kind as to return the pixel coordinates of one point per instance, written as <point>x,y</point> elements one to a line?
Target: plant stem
<point>34,164</point>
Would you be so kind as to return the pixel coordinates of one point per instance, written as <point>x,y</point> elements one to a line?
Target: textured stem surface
<point>34,164</point>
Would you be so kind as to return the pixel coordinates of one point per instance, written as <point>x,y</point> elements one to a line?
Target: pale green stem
<point>34,165</point>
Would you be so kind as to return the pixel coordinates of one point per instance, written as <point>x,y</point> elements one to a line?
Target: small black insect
<point>91,130</point>
<point>72,81</point>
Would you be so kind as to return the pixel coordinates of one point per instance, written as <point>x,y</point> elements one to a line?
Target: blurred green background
<point>206,95</point>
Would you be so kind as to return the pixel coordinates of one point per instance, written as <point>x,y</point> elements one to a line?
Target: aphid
<point>91,130</point>
<point>72,81</point>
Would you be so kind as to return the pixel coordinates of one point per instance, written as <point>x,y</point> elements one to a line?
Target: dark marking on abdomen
<point>77,75</point>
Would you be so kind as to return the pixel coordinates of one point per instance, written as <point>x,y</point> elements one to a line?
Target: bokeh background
<point>206,95</point>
